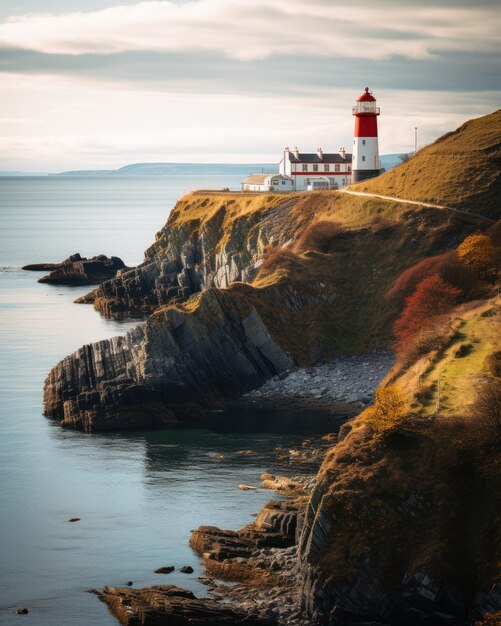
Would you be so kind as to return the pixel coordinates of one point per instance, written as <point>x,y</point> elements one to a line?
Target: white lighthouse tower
<point>366,162</point>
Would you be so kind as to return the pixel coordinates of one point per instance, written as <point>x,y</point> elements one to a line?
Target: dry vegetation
<point>423,462</point>
<point>461,169</point>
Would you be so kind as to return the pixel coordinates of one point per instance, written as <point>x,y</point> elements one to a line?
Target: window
<point>363,158</point>
<point>337,168</point>
<point>349,168</point>
<point>305,167</point>
<point>283,182</point>
<point>363,142</point>
<point>327,168</point>
<point>315,168</point>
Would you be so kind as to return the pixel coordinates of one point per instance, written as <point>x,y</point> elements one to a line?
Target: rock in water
<point>170,605</point>
<point>186,569</point>
<point>77,270</point>
<point>164,570</point>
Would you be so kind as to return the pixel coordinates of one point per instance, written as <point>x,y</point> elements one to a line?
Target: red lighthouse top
<point>366,96</point>
<point>366,105</point>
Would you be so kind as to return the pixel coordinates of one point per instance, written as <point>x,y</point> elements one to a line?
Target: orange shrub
<point>388,411</point>
<point>479,253</point>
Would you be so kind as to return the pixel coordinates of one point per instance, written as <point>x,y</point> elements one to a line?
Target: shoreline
<point>252,574</point>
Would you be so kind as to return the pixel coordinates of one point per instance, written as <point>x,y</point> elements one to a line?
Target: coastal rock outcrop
<point>168,605</point>
<point>210,240</point>
<point>167,370</point>
<point>77,270</point>
<point>251,556</point>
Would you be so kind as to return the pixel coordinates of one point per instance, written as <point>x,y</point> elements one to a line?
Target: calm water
<point>138,494</point>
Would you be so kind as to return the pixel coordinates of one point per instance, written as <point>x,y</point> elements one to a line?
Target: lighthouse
<point>365,143</point>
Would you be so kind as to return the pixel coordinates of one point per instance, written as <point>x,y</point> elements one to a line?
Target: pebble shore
<point>345,379</point>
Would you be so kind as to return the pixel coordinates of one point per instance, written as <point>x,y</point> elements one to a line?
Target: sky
<point>102,83</point>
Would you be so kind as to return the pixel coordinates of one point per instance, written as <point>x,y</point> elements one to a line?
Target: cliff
<point>166,370</point>
<point>210,240</point>
<point>302,307</point>
<point>242,287</point>
<point>403,526</point>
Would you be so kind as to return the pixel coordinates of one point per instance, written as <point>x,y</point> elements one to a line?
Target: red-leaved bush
<point>432,297</point>
<point>406,283</point>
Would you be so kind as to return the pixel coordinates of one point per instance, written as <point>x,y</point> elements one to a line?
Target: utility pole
<point>415,139</point>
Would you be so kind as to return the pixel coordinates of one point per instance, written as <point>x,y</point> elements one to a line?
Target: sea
<point>137,494</point>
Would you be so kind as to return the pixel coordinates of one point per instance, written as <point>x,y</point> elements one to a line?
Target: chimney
<point>296,152</point>
<point>342,152</point>
<point>320,154</point>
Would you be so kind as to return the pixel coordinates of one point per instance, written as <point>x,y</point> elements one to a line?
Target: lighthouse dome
<point>366,96</point>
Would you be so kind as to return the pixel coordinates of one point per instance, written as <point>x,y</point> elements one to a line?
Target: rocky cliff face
<point>303,306</point>
<point>166,370</point>
<point>210,240</point>
<point>403,528</point>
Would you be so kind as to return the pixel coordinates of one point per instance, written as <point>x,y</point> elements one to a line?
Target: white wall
<point>369,150</point>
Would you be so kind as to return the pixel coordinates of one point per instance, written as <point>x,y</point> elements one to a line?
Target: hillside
<point>303,274</point>
<point>403,525</point>
<point>430,479</point>
<point>461,169</point>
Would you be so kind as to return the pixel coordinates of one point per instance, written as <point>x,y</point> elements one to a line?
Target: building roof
<point>312,157</point>
<point>260,179</point>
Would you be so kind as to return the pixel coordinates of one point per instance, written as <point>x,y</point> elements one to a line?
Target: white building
<point>268,182</point>
<point>316,170</point>
<point>307,171</point>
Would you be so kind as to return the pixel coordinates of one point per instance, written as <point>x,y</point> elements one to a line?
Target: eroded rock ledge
<point>168,605</point>
<point>210,240</point>
<point>166,370</point>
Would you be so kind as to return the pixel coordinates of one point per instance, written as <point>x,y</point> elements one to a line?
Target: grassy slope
<point>433,482</point>
<point>461,169</point>
<point>451,376</point>
<point>333,300</point>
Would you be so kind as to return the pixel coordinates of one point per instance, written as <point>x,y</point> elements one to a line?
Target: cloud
<point>290,76</point>
<point>86,128</point>
<point>258,29</point>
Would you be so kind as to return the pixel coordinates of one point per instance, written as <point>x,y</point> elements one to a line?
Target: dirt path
<point>415,202</point>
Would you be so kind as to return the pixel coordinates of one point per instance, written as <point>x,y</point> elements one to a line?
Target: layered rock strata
<point>167,370</point>
<point>168,605</point>
<point>77,270</point>
<point>216,247</point>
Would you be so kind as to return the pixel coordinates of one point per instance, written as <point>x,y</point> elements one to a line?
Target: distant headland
<point>388,161</point>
